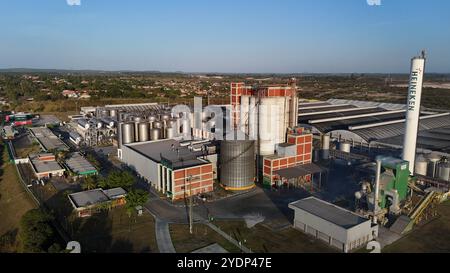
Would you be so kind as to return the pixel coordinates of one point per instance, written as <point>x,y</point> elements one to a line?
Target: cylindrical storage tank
<point>444,171</point>
<point>157,124</point>
<point>268,131</point>
<point>128,133</point>
<point>143,131</point>
<point>155,134</point>
<point>185,128</point>
<point>113,113</point>
<point>345,147</point>
<point>170,133</point>
<point>172,123</point>
<point>325,146</point>
<point>151,118</point>
<point>421,166</point>
<point>253,118</point>
<point>165,117</point>
<point>245,114</point>
<point>237,164</point>
<point>433,159</point>
<point>105,113</point>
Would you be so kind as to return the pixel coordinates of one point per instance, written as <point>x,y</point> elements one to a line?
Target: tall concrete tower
<point>413,109</point>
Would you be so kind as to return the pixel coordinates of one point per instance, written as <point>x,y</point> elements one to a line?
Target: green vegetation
<point>36,232</point>
<point>202,236</point>
<point>433,237</point>
<point>135,198</point>
<point>116,179</point>
<point>90,183</point>
<point>14,202</point>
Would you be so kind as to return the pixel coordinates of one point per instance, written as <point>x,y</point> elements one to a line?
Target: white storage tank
<point>433,159</point>
<point>143,131</point>
<point>444,171</point>
<point>421,165</point>
<point>345,147</point>
<point>128,133</point>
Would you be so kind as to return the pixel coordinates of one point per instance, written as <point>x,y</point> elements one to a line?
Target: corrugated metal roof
<point>329,212</point>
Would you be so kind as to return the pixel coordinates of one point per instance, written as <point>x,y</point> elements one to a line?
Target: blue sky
<point>225,35</point>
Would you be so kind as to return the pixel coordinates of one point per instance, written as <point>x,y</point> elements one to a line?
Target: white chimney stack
<point>413,110</point>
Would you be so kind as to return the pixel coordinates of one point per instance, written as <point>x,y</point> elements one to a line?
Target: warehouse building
<point>45,166</point>
<point>79,166</point>
<point>177,169</point>
<point>368,125</point>
<point>88,202</point>
<point>48,140</point>
<point>338,227</point>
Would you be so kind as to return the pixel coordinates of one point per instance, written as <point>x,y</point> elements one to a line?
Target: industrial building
<point>338,227</point>
<point>177,169</point>
<point>45,166</point>
<point>79,166</point>
<point>48,140</point>
<point>87,203</point>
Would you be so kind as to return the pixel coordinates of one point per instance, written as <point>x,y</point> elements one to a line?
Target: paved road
<point>163,237</point>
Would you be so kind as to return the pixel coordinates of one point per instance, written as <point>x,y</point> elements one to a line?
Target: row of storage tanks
<point>433,165</point>
<point>153,127</point>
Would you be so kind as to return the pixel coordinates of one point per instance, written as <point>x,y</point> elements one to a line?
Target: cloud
<point>73,2</point>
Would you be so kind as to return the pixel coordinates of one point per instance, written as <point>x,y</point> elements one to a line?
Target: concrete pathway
<point>163,237</point>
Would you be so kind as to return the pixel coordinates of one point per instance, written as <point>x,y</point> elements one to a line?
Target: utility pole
<point>191,222</point>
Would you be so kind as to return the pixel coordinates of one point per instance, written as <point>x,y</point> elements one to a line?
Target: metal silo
<point>113,113</point>
<point>237,164</point>
<point>127,133</point>
<point>155,134</point>
<point>444,171</point>
<point>157,124</point>
<point>143,131</point>
<point>170,133</point>
<point>421,165</point>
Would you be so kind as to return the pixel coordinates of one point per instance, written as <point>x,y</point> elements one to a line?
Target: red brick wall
<point>202,181</point>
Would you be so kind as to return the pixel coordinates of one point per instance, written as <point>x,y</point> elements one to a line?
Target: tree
<point>36,233</point>
<point>117,179</point>
<point>135,198</point>
<point>89,183</point>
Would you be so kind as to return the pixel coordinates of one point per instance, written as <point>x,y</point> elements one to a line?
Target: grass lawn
<point>203,236</point>
<point>14,202</point>
<point>115,232</point>
<point>433,237</point>
<point>263,240</point>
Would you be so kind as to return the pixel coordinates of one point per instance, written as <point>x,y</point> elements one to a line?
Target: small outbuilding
<point>338,227</point>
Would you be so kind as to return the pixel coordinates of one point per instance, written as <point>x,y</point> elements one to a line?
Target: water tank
<point>170,133</point>
<point>105,113</point>
<point>172,123</point>
<point>421,166</point>
<point>433,160</point>
<point>443,172</point>
<point>345,147</point>
<point>165,117</point>
<point>127,133</point>
<point>157,124</point>
<point>113,113</point>
<point>185,128</point>
<point>155,134</point>
<point>237,164</point>
<point>268,120</point>
<point>143,131</point>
